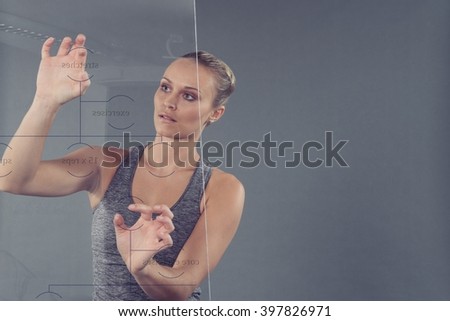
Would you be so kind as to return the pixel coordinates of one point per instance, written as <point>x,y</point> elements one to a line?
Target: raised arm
<point>55,85</point>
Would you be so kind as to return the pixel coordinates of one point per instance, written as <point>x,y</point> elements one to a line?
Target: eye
<point>164,87</point>
<point>189,97</point>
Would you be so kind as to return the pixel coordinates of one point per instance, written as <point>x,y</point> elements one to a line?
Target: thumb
<point>119,224</point>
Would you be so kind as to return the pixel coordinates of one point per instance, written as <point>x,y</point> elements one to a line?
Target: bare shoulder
<point>224,181</point>
<point>225,189</point>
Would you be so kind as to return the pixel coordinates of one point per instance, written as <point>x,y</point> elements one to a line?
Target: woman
<point>157,230</point>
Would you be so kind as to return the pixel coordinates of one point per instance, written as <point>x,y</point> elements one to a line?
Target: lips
<point>167,118</point>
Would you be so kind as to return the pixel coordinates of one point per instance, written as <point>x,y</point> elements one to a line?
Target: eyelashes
<point>187,95</point>
<point>164,88</point>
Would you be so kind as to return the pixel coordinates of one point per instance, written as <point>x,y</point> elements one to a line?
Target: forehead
<point>183,72</point>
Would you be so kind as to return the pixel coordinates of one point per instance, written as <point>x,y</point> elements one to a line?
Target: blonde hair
<point>225,79</point>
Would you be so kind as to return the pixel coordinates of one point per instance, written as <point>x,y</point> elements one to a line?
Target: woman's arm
<point>55,85</point>
<point>201,253</point>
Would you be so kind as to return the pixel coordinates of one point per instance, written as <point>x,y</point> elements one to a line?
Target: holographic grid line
<point>201,154</point>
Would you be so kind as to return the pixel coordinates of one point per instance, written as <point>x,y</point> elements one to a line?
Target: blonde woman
<point>157,230</point>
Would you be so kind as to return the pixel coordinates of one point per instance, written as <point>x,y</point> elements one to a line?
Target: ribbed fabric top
<point>112,280</point>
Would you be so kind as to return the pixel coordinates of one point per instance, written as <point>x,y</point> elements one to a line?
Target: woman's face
<point>182,104</point>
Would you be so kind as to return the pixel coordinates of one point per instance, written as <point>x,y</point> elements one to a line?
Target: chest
<point>152,189</point>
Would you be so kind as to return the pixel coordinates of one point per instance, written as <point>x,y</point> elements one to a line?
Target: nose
<point>170,102</point>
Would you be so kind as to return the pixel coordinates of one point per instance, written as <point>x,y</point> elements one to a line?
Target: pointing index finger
<point>141,208</point>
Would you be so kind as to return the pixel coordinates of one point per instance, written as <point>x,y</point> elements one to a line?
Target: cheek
<point>156,97</point>
<point>203,111</point>
<point>191,115</point>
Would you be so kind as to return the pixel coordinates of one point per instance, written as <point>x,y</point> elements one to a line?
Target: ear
<point>216,114</point>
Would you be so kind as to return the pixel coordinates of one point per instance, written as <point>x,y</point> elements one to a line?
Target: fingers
<point>80,40</point>
<point>153,235</point>
<point>79,49</point>
<point>64,46</point>
<point>119,223</point>
<point>166,223</point>
<point>46,47</point>
<point>163,210</point>
<point>165,217</point>
<point>141,208</point>
<point>165,214</point>
<point>165,238</point>
<point>160,209</point>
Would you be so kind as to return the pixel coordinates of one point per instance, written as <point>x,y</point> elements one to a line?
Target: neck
<point>167,153</point>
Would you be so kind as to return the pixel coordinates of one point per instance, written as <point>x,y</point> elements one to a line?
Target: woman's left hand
<point>139,243</point>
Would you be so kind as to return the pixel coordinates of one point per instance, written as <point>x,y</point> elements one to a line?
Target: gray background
<point>373,73</point>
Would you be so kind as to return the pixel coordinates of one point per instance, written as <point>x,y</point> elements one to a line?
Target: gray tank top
<point>112,280</point>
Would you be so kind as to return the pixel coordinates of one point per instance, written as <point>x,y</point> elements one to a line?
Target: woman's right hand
<point>62,78</point>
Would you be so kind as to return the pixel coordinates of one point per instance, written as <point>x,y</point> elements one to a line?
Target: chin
<point>161,132</point>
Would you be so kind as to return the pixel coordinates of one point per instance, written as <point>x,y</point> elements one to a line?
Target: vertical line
<point>79,99</point>
<point>201,154</point>
<point>130,276</point>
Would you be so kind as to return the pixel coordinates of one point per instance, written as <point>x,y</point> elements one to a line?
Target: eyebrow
<point>185,87</point>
